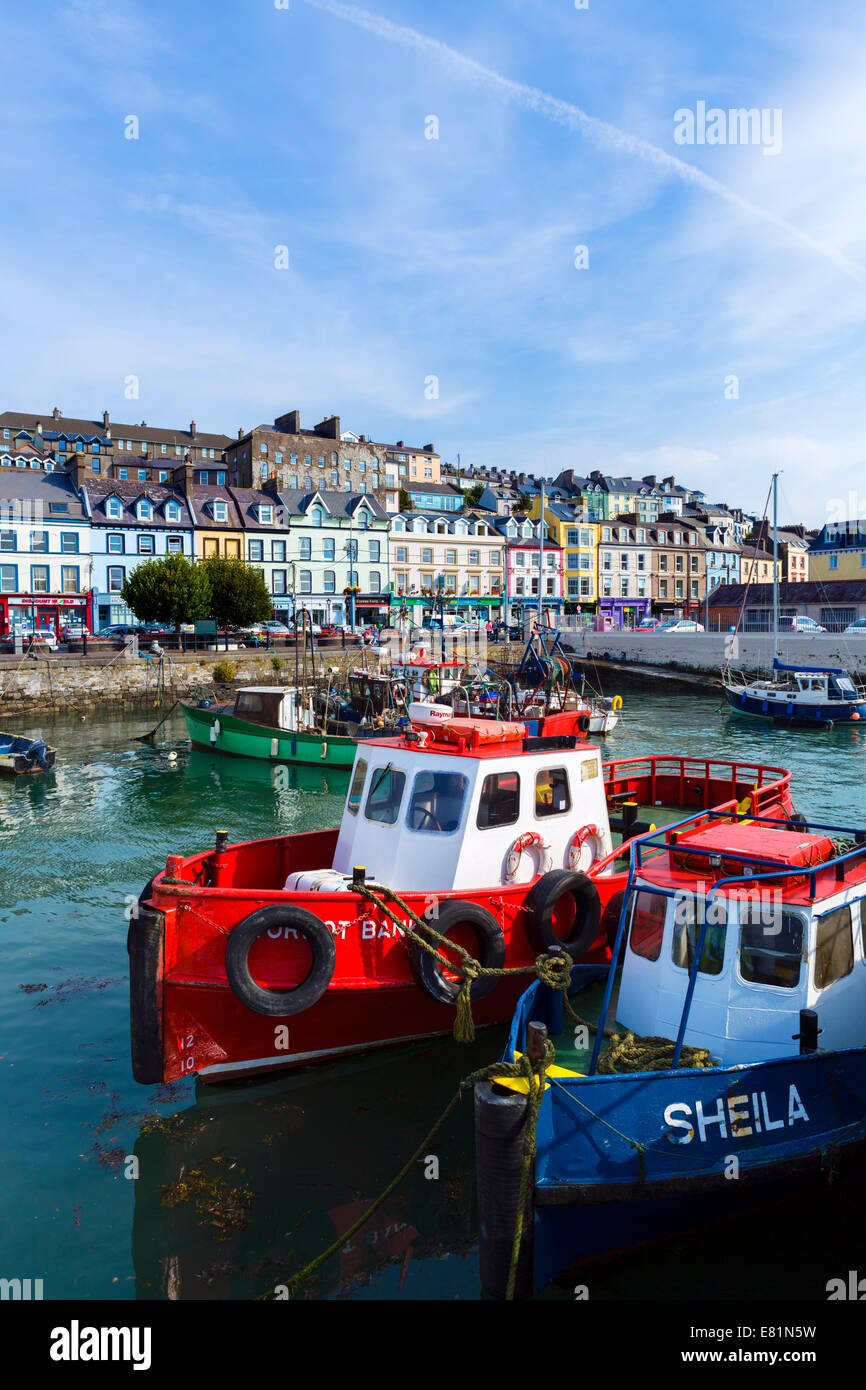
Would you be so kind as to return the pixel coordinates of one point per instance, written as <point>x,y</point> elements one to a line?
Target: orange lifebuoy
<point>531,840</point>
<point>576,844</point>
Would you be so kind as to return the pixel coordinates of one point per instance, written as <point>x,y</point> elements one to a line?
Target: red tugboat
<point>265,954</point>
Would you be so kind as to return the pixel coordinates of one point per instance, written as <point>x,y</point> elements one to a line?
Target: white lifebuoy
<point>531,840</point>
<point>574,849</point>
<point>214,731</point>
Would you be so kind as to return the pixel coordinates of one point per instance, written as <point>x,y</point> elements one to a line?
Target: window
<point>278,551</point>
<point>172,511</point>
<point>437,802</point>
<point>257,550</point>
<point>834,562</point>
<point>278,581</point>
<point>647,925</point>
<point>220,511</point>
<point>174,545</point>
<point>688,913</point>
<point>113,507</point>
<point>69,579</point>
<point>385,795</point>
<point>306,582</point>
<point>142,475</point>
<point>328,548</point>
<point>552,796</point>
<point>375,582</point>
<point>770,959</point>
<point>426,555</point>
<point>266,513</point>
<point>144,511</point>
<point>163,475</point>
<point>68,542</point>
<point>834,947</point>
<point>500,800</point>
<point>375,551</point>
<point>329,581</point>
<point>146,545</point>
<point>211,547</point>
<point>473,557</point>
<point>39,579</point>
<point>122,473</point>
<point>115,545</point>
<point>8,579</point>
<point>306,548</point>
<point>358,778</point>
<point>39,541</point>
<point>317,516</point>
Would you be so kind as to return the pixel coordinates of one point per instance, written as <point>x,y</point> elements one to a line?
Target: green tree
<point>523,503</point>
<point>172,590</point>
<point>239,595</point>
<point>472,495</point>
<point>405,501</point>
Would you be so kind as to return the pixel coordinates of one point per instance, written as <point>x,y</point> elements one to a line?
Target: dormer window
<point>317,516</point>
<point>220,511</point>
<point>144,511</point>
<point>172,511</point>
<point>113,507</point>
<point>266,513</point>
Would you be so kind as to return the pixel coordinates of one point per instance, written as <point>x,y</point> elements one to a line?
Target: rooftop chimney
<point>290,423</point>
<point>38,426</point>
<point>56,412</point>
<point>105,421</point>
<point>182,476</point>
<point>241,433</point>
<point>329,428</point>
<point>192,428</point>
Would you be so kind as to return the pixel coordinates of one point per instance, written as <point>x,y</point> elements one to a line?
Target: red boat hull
<point>186,1018</point>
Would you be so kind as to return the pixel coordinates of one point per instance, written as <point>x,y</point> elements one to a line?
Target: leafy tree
<point>405,501</point>
<point>239,595</point>
<point>172,590</point>
<point>472,495</point>
<point>523,503</point>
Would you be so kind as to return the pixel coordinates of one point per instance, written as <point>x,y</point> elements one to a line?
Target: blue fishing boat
<point>799,696</point>
<point>19,755</point>
<point>717,1066</point>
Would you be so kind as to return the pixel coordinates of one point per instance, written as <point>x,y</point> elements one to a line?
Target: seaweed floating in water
<point>221,1207</point>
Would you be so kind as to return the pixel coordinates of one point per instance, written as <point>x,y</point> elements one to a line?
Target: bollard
<point>536,1041</point>
<point>809,1030</point>
<point>84,644</point>
<point>500,1122</point>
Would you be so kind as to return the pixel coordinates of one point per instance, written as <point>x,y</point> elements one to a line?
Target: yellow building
<point>839,552</point>
<point>218,523</point>
<point>756,566</point>
<point>577,538</point>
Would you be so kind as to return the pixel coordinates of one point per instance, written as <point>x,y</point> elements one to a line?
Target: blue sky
<point>453,258</point>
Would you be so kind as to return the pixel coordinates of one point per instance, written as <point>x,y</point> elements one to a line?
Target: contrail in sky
<point>565,114</point>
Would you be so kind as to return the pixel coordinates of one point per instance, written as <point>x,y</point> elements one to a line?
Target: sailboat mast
<point>774,569</point>
<point>540,552</point>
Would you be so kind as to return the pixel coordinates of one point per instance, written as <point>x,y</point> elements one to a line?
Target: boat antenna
<point>540,552</point>
<point>775,569</point>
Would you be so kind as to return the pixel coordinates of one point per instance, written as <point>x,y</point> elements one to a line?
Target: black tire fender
<point>583,722</point>
<point>426,969</point>
<point>280,1003</point>
<point>542,899</point>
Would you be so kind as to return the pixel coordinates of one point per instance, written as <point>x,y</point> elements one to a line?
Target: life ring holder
<point>576,843</point>
<point>531,840</point>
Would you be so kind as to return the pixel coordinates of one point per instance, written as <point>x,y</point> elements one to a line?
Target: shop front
<point>41,611</point>
<point>624,612</point>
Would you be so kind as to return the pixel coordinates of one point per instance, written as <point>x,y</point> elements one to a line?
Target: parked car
<point>122,630</point>
<point>681,625</point>
<point>859,626</point>
<point>649,625</point>
<point>800,623</point>
<point>73,632</point>
<point>46,635</point>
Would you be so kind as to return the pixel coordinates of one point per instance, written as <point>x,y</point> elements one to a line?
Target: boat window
<point>385,795</point>
<point>770,951</point>
<point>500,800</point>
<point>688,916</point>
<point>834,947</point>
<point>357,786</point>
<point>551,792</point>
<point>648,924</point>
<point>249,702</point>
<point>437,801</point>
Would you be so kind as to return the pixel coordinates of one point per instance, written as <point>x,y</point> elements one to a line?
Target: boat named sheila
<point>737,1056</point>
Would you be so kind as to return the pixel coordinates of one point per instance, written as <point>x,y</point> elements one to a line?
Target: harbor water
<point>114,1190</point>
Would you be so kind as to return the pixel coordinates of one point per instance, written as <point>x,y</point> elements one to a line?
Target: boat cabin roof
<point>476,738</point>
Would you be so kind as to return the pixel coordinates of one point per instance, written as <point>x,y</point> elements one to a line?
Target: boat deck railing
<point>656,842</point>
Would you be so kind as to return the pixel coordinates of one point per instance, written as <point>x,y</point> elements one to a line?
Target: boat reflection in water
<point>234,774</point>
<point>241,1189</point>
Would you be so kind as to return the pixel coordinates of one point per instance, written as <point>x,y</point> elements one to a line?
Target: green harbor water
<point>237,1187</point>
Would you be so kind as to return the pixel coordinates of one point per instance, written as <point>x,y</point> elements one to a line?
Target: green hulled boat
<point>266,723</point>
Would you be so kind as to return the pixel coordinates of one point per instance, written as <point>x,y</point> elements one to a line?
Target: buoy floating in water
<point>172,757</point>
